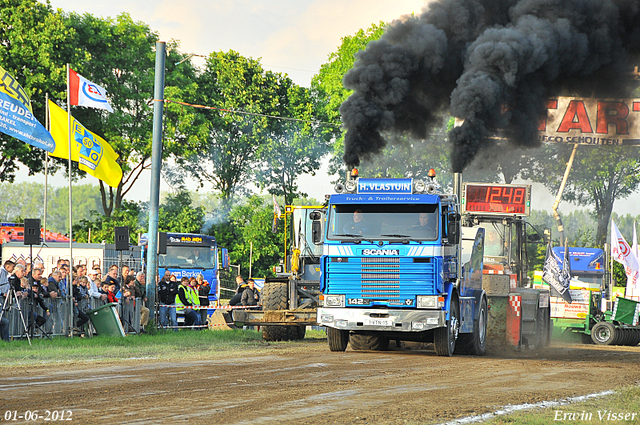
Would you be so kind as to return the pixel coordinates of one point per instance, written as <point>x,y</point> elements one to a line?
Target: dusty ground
<point>306,383</point>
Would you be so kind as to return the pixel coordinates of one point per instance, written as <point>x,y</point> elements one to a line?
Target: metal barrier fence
<point>128,310</point>
<point>228,281</point>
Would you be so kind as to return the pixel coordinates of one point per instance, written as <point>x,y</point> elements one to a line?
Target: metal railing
<point>128,310</point>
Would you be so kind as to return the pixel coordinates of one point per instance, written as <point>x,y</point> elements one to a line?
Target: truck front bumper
<point>363,319</point>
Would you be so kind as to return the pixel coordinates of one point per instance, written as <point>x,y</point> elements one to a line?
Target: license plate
<point>378,322</point>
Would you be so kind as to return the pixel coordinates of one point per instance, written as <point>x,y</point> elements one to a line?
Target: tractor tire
<point>276,333</point>
<point>337,339</point>
<point>604,333</point>
<point>275,296</point>
<point>298,331</point>
<point>476,342</point>
<point>368,342</point>
<point>636,338</point>
<point>444,339</point>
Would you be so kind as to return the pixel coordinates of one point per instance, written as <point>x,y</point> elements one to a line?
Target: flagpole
<point>46,165</point>
<point>70,280</point>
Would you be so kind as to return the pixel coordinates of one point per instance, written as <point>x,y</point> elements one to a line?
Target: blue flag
<point>16,117</point>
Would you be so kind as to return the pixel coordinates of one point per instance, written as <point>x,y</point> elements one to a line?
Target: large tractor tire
<point>475,343</point>
<point>368,342</point>
<point>444,339</point>
<point>337,339</point>
<point>275,296</point>
<point>604,333</point>
<point>299,331</point>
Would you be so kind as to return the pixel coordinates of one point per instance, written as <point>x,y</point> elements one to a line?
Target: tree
<point>31,204</point>
<point>250,222</point>
<point>176,214</point>
<point>119,54</point>
<point>34,44</point>
<point>292,147</point>
<point>599,176</point>
<point>102,226</point>
<point>238,138</point>
<point>329,93</point>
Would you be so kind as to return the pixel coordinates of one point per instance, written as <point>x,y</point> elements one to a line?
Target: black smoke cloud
<point>492,63</point>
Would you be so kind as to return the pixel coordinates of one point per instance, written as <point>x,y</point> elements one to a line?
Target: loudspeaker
<point>32,231</point>
<point>122,238</point>
<point>162,243</point>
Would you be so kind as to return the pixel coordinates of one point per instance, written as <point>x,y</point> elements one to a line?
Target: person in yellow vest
<point>187,296</point>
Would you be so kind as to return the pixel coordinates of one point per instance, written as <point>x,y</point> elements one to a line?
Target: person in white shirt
<point>94,292</point>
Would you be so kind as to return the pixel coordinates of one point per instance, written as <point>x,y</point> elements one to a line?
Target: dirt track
<point>306,383</point>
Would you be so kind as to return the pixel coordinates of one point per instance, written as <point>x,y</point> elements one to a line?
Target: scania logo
<point>380,252</point>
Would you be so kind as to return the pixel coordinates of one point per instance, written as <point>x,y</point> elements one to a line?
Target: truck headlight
<point>430,301</point>
<point>334,300</point>
<point>350,186</point>
<point>419,186</point>
<point>326,318</point>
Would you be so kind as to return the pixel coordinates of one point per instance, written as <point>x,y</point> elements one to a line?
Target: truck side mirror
<point>453,228</point>
<point>316,227</point>
<point>316,232</point>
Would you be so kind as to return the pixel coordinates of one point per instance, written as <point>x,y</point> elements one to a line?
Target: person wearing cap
<point>94,292</point>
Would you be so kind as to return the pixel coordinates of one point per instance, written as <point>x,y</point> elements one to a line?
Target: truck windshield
<point>383,222</point>
<point>187,257</point>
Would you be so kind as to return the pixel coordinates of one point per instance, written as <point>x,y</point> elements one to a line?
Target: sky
<point>290,36</point>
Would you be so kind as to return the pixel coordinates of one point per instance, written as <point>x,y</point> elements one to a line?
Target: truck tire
<point>475,343</point>
<point>444,339</point>
<point>337,339</point>
<point>604,333</point>
<point>275,296</point>
<point>368,342</point>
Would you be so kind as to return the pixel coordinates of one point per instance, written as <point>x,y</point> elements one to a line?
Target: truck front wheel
<point>369,342</point>
<point>337,339</point>
<point>444,339</point>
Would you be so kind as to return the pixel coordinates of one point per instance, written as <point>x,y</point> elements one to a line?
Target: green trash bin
<point>106,321</point>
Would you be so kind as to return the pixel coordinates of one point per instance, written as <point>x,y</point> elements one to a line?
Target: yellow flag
<point>92,152</point>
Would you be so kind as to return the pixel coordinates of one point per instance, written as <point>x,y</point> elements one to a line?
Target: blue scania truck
<point>396,266</point>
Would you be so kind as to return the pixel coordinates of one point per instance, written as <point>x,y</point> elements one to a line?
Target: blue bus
<point>189,255</point>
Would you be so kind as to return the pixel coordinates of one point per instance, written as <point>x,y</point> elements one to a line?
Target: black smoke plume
<point>492,63</point>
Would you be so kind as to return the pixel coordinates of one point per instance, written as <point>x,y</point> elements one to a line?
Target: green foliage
<point>600,175</point>
<point>102,226</point>
<point>33,49</point>
<point>235,148</point>
<point>178,215</point>
<point>251,222</point>
<point>86,199</point>
<point>327,89</point>
<point>119,54</point>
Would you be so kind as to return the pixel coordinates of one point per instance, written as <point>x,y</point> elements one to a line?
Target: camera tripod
<point>12,302</point>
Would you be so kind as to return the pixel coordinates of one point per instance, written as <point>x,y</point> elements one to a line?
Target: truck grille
<point>381,279</point>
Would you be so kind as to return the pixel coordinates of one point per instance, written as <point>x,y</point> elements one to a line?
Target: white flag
<point>622,253</point>
<point>85,93</point>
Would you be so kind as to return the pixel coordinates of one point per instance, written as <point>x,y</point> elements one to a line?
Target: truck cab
<point>394,268</point>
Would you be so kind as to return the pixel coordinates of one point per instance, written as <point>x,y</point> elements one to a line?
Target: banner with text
<point>588,121</point>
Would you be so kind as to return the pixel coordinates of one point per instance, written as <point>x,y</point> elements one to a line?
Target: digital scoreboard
<point>496,199</point>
